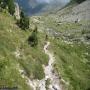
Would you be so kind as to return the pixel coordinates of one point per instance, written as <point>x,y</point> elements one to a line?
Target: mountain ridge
<point>32,7</point>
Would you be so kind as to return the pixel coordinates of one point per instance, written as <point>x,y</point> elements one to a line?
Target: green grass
<point>72,64</point>
<point>72,60</point>
<point>31,59</point>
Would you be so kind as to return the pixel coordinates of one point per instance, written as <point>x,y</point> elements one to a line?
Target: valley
<point>60,60</point>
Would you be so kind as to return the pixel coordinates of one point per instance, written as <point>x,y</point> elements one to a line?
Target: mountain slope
<point>70,41</point>
<point>15,53</point>
<point>75,11</point>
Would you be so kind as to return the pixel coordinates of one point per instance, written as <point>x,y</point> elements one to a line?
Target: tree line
<point>23,23</point>
<point>78,1</point>
<point>8,4</point>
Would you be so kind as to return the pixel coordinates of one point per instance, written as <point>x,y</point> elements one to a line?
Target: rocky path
<point>49,71</point>
<point>49,74</point>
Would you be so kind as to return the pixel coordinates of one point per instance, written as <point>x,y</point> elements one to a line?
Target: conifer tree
<point>11,6</point>
<point>78,1</point>
<point>33,39</point>
<point>3,3</point>
<point>24,21</point>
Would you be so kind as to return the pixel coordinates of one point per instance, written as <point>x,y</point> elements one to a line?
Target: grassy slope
<point>73,64</point>
<point>31,59</point>
<point>72,60</point>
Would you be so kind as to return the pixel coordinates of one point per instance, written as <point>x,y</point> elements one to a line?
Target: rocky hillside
<point>69,32</point>
<point>68,22</point>
<point>80,12</point>
<point>17,55</point>
<point>74,12</point>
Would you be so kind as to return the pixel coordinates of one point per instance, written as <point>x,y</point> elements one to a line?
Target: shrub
<point>38,72</point>
<point>78,1</point>
<point>33,39</point>
<point>9,4</point>
<point>11,7</point>
<point>3,3</point>
<point>24,21</point>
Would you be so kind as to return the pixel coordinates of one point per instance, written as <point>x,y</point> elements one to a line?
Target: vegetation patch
<point>31,59</point>
<point>71,64</point>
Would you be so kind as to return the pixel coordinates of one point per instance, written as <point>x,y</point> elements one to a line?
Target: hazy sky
<point>48,1</point>
<point>36,6</point>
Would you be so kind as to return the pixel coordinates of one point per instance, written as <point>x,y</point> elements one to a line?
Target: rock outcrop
<point>17,11</point>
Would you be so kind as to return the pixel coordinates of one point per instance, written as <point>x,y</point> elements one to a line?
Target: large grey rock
<point>17,11</point>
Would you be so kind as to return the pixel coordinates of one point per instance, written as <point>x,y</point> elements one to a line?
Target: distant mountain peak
<point>37,6</point>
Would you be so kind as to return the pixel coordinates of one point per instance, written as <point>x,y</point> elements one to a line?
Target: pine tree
<point>78,1</point>
<point>3,3</point>
<point>24,21</point>
<point>11,6</point>
<point>33,39</point>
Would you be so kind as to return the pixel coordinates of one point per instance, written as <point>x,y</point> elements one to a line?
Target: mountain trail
<point>49,74</point>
